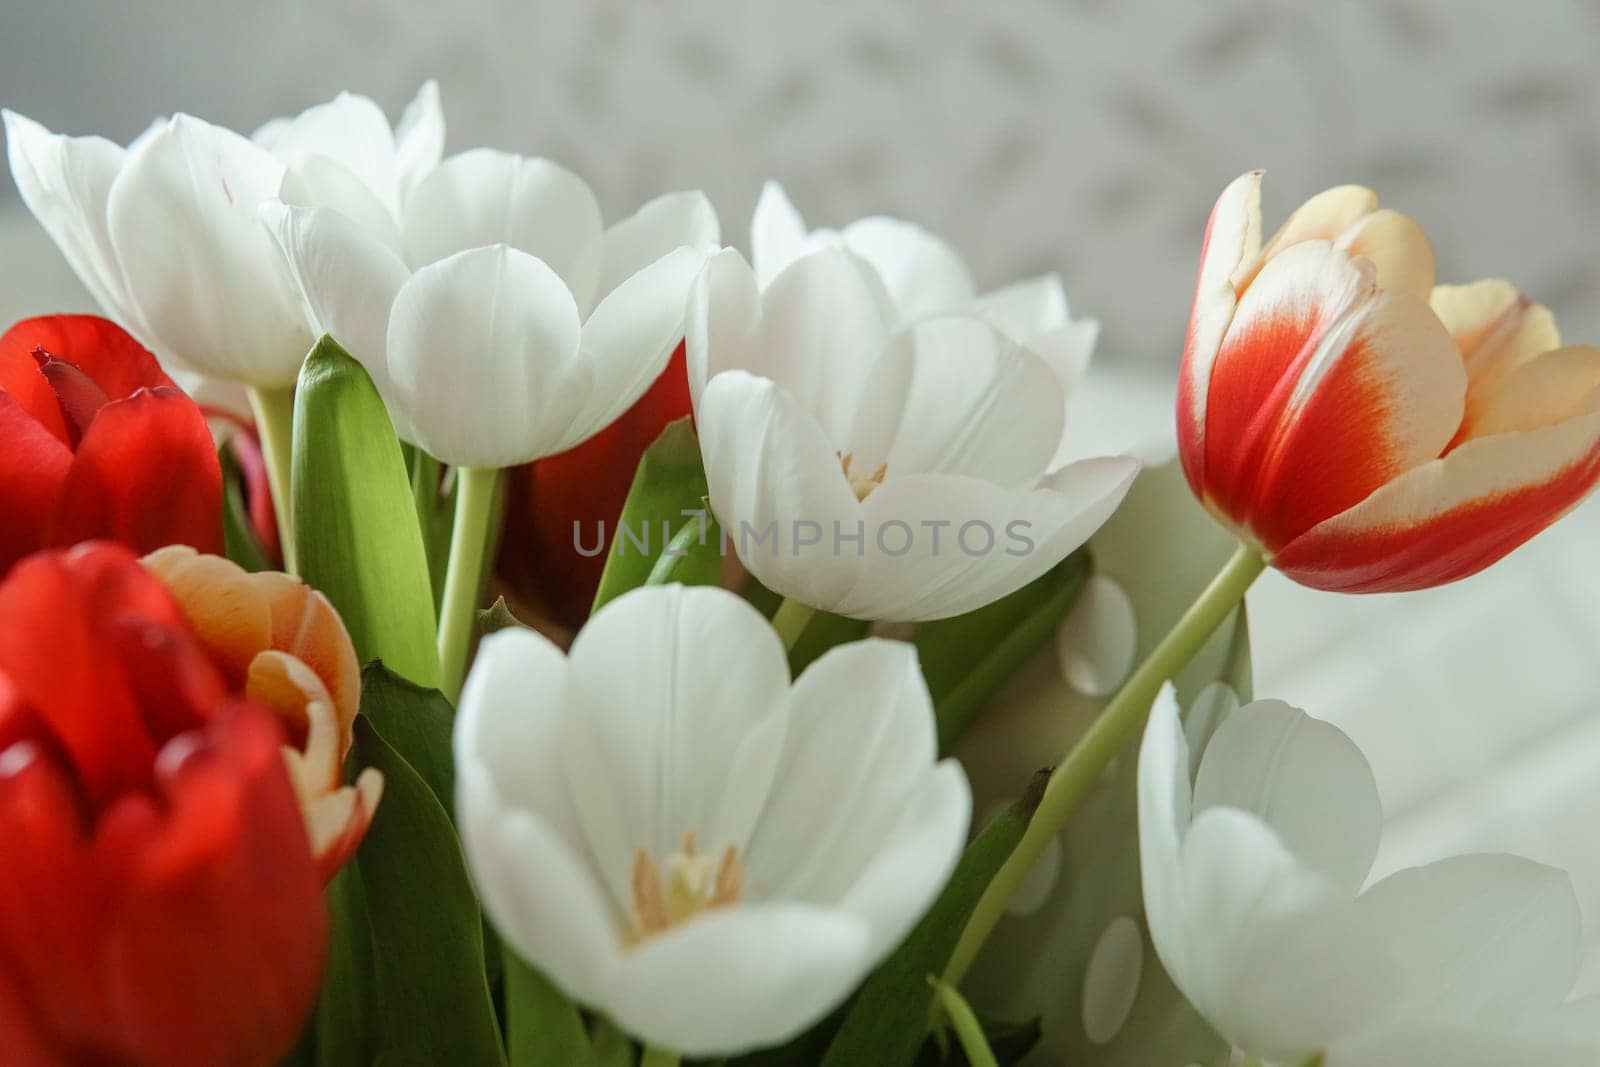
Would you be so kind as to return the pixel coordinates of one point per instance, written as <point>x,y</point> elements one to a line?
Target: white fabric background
<point>1082,136</point>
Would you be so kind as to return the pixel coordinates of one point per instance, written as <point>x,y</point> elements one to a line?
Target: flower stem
<point>1087,760</point>
<point>791,619</point>
<point>658,1057</point>
<point>274,413</point>
<point>969,1031</point>
<point>463,579</point>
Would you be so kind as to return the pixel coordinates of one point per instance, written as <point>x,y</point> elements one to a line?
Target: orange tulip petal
<point>305,624</point>
<point>1325,388</point>
<point>224,609</point>
<point>1455,516</point>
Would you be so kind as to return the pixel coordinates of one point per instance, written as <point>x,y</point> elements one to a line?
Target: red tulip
<point>99,443</point>
<point>159,903</point>
<point>586,485</point>
<point>1369,431</point>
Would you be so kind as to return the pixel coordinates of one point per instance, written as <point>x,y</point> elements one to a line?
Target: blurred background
<point>1086,137</point>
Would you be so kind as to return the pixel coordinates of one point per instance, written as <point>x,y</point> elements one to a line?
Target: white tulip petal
<point>485,197</point>
<point>1208,711</point>
<point>722,321</point>
<point>670,221</point>
<point>321,181</point>
<point>777,234</point>
<point>990,541</point>
<point>665,685</point>
<point>65,181</point>
<point>824,321</point>
<point>1026,309</point>
<point>537,890</point>
<point>419,137</point>
<point>1305,779</point>
<point>1113,411</point>
<point>921,272</point>
<point>956,396</point>
<point>1465,1042</point>
<point>629,339</point>
<point>508,723</point>
<point>860,742</point>
<point>1478,935</point>
<point>769,466</point>
<point>348,281</point>
<point>735,980</point>
<point>209,281</point>
<point>905,877</point>
<point>349,130</point>
<point>1164,815</point>
<point>1098,640</point>
<point>481,348</point>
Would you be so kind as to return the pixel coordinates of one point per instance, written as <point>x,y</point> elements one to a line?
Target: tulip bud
<point>1368,431</point>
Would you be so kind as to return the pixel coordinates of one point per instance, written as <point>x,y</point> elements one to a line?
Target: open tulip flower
<point>680,838</point>
<point>1366,430</point>
<point>158,901</point>
<point>99,443</point>
<point>1256,847</point>
<point>858,444</point>
<point>165,233</point>
<point>501,321</point>
<point>282,643</point>
<point>924,277</point>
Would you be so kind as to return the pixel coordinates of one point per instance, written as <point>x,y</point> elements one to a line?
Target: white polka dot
<point>1097,640</point>
<point>1111,981</point>
<point>1039,882</point>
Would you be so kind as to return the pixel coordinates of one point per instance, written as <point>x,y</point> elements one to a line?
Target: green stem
<point>274,413</point>
<point>463,580</point>
<point>1087,760</point>
<point>791,619</point>
<point>964,1021</point>
<point>658,1057</point>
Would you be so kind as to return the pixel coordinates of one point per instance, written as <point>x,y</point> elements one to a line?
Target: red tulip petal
<point>220,931</point>
<point>33,465</point>
<point>70,678</point>
<point>99,347</point>
<point>1232,242</point>
<point>1455,516</point>
<point>1325,388</point>
<point>146,475</point>
<point>586,485</point>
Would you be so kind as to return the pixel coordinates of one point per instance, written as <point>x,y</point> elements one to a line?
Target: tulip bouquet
<point>437,626</point>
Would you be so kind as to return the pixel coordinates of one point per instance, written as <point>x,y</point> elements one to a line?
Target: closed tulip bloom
<point>99,443</point>
<point>1256,850</point>
<point>684,841</point>
<point>283,644</point>
<point>1369,431</point>
<point>502,322</point>
<point>882,472</point>
<point>158,902</point>
<point>165,233</point>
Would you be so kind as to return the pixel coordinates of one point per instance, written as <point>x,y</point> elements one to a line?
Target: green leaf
<point>966,658</point>
<point>416,723</point>
<point>497,617</point>
<point>355,524</point>
<point>406,982</point>
<point>692,557</point>
<point>889,1018</point>
<point>824,631</point>
<point>670,480</point>
<point>543,1029</point>
<point>434,500</point>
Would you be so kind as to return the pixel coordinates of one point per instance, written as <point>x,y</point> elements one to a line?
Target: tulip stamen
<point>862,485</point>
<point>688,883</point>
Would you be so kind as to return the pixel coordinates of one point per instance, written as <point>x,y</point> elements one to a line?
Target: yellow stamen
<point>689,884</point>
<point>862,485</point>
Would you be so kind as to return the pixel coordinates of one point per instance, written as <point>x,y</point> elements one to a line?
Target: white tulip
<point>165,233</point>
<point>1253,875</point>
<point>902,473</point>
<point>498,318</point>
<point>680,838</point>
<point>923,276</point>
